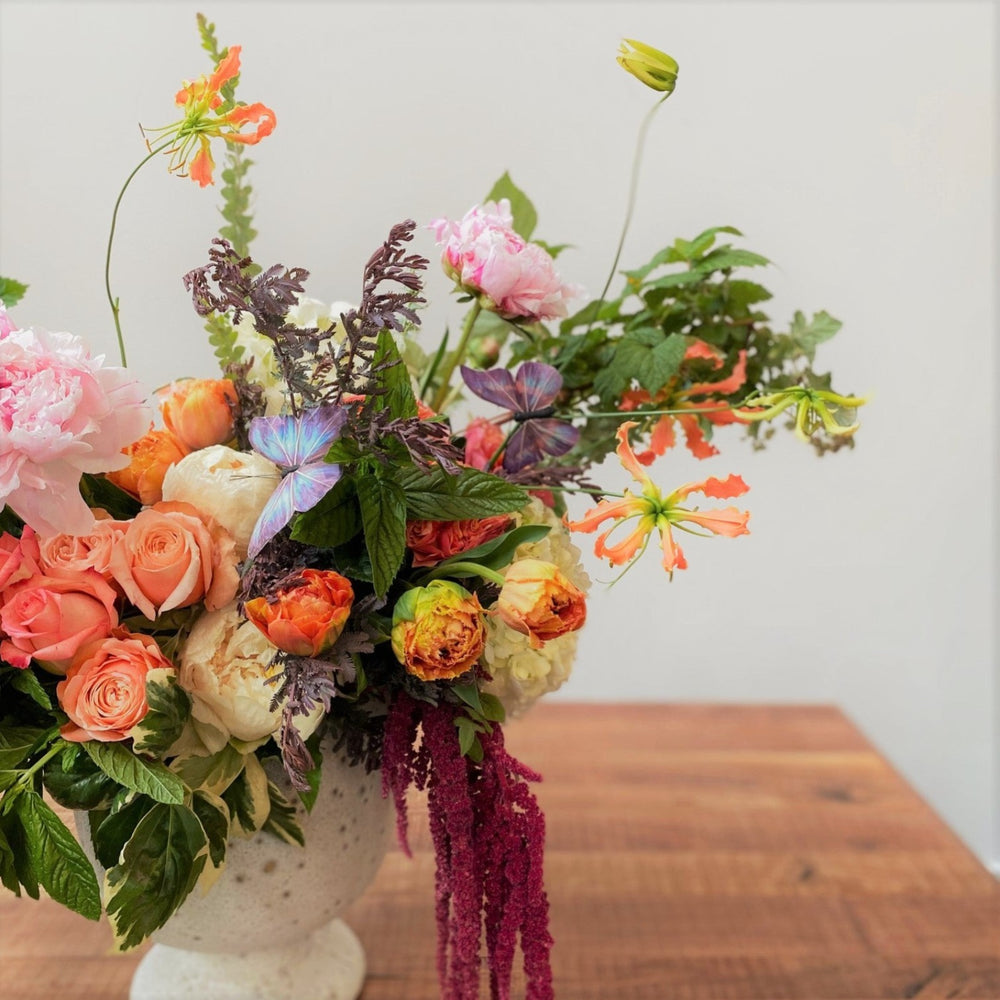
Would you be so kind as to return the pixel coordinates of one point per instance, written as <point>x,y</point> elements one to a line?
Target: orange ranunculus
<point>173,556</point>
<point>104,691</point>
<point>199,411</point>
<point>202,100</point>
<point>150,457</point>
<point>307,616</point>
<point>537,600</point>
<point>433,541</point>
<point>438,631</point>
<point>657,512</point>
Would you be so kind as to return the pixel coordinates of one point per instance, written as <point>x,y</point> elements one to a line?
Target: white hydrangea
<point>521,675</point>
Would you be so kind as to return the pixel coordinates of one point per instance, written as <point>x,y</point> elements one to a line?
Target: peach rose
<point>438,631</point>
<point>173,556</point>
<point>307,617</point>
<point>433,541</point>
<point>149,459</point>
<point>18,557</point>
<point>104,691</point>
<point>68,555</point>
<point>482,439</point>
<point>199,411</point>
<point>540,602</point>
<point>48,618</point>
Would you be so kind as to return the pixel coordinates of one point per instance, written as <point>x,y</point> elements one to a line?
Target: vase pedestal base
<point>328,964</point>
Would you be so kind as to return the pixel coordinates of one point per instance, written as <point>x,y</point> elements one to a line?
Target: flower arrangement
<point>314,547</point>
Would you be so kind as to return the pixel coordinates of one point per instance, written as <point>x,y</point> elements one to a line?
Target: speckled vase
<point>268,929</point>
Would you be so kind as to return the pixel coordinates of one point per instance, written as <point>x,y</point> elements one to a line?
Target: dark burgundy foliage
<point>250,401</point>
<point>489,838</point>
<point>429,442</point>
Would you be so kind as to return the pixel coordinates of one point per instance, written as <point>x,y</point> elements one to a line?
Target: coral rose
<point>149,459</point>
<point>48,618</point>
<point>538,600</point>
<point>173,556</point>
<point>104,691</point>
<point>231,486</point>
<point>307,616</point>
<point>69,555</point>
<point>438,631</point>
<point>18,557</point>
<point>199,411</point>
<point>433,541</point>
<point>483,439</point>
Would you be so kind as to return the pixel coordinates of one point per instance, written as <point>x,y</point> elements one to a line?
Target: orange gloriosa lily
<point>663,435</point>
<point>201,101</point>
<point>652,511</point>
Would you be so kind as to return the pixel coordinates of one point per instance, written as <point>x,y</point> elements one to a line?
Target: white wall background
<point>852,143</point>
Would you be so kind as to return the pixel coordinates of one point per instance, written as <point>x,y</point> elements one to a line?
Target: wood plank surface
<point>695,852</point>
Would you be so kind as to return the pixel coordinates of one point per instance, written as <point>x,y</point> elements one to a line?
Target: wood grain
<point>695,852</point>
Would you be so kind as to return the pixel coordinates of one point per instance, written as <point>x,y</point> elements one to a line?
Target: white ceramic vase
<point>268,929</point>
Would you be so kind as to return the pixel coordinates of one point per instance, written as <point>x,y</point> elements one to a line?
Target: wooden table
<point>693,852</point>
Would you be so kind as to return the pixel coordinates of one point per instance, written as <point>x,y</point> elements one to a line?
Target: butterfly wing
<point>495,386</point>
<point>291,441</point>
<point>275,438</point>
<point>277,512</point>
<point>535,439</point>
<point>318,428</point>
<point>536,385</point>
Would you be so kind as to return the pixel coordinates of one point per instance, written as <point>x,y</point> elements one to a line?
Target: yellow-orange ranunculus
<point>438,631</point>
<point>307,617</point>
<point>199,411</point>
<point>150,457</point>
<point>538,601</point>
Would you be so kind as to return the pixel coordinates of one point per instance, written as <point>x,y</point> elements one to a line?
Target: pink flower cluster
<point>485,256</point>
<point>62,413</point>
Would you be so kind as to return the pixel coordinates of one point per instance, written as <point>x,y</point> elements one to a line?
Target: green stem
<point>26,776</point>
<point>457,357</point>
<point>627,414</point>
<point>632,188</point>
<point>111,239</point>
<point>471,567</point>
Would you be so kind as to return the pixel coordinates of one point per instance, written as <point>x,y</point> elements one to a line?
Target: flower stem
<point>632,188</point>
<point>25,778</point>
<point>111,239</point>
<point>457,357</point>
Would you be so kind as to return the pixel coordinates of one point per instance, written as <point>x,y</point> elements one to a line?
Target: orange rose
<point>438,631</point>
<point>307,617</point>
<point>49,619</point>
<point>199,411</point>
<point>69,555</point>
<point>104,691</point>
<point>150,457</point>
<point>173,556</point>
<point>538,601</point>
<point>432,541</point>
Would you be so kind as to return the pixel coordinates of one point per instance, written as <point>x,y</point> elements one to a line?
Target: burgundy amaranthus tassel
<point>489,839</point>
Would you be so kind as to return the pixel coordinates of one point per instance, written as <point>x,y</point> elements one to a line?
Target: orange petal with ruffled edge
<point>632,399</point>
<point>202,165</point>
<point>628,547</point>
<point>694,438</point>
<point>673,556</point>
<point>226,70</point>
<point>239,116</point>
<point>727,386</point>
<point>627,456</point>
<point>729,521</point>
<point>699,349</point>
<point>630,506</point>
<point>719,489</point>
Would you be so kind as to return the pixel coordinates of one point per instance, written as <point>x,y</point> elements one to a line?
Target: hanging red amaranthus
<point>489,837</point>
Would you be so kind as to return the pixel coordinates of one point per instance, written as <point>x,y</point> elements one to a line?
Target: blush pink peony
<point>62,413</point>
<point>517,279</point>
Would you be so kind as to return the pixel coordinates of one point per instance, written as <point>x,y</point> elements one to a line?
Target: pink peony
<point>485,256</point>
<point>6,323</point>
<point>61,414</point>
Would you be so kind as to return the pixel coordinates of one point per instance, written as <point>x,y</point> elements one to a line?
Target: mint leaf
<point>11,291</point>
<point>213,814</point>
<point>247,799</point>
<point>27,682</point>
<point>383,515</point>
<point>160,865</point>
<point>57,860</point>
<point>335,520</point>
<point>18,742</point>
<point>148,777</point>
<point>438,496</point>
<point>393,379</point>
<point>525,216</point>
<point>110,834</point>
<point>79,784</point>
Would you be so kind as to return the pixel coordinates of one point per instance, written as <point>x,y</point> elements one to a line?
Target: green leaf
<point>212,773</point>
<point>213,814</point>
<point>665,362</point>
<point>499,552</point>
<point>743,294</point>
<point>313,776</point>
<point>148,777</point>
<point>10,522</point>
<point>809,334</point>
<point>110,834</point>
<point>79,783</point>
<point>727,257</point>
<point>467,734</point>
<point>27,682</point>
<point>8,869</point>
<point>438,496</point>
<point>169,708</point>
<point>383,516</point>
<point>100,492</point>
<point>281,820</point>
<point>11,291</point>
<point>525,216</point>
<point>247,799</point>
<point>18,742</point>
<point>160,865</point>
<point>394,379</point>
<point>17,870</point>
<point>336,519</point>
<point>223,338</point>
<point>57,860</point>
<point>493,710</point>
<point>469,693</point>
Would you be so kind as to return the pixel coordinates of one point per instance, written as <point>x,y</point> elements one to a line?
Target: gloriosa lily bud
<point>650,66</point>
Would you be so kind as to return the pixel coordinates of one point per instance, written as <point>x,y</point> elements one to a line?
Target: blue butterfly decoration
<point>297,445</point>
<point>529,395</point>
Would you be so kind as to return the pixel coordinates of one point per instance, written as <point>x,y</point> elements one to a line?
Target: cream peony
<point>228,485</point>
<point>225,666</point>
<point>521,675</point>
